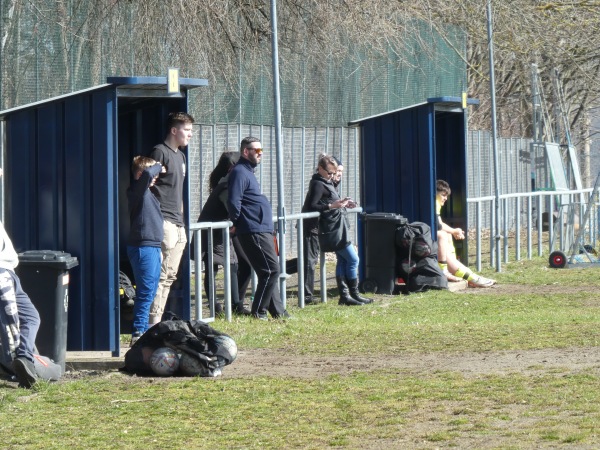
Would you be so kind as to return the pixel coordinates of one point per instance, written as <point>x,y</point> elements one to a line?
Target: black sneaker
<point>25,372</point>
<point>284,316</point>
<point>134,337</point>
<point>260,316</point>
<point>241,311</point>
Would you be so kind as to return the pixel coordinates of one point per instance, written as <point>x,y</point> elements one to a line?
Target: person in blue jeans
<point>347,258</point>
<point>145,237</point>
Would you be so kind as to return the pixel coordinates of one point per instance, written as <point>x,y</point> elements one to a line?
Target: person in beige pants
<point>169,192</point>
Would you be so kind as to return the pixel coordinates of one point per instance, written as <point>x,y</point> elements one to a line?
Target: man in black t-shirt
<point>169,192</point>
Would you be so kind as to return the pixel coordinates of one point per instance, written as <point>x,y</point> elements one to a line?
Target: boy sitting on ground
<point>452,267</point>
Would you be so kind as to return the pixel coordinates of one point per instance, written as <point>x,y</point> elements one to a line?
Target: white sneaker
<point>482,282</point>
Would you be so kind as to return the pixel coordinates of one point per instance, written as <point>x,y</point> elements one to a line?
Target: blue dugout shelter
<point>404,152</point>
<point>67,164</point>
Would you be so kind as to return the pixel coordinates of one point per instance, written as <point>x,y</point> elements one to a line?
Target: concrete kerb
<point>92,360</point>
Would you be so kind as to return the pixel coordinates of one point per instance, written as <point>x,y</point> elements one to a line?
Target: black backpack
<point>417,256</point>
<point>415,238</point>
<point>125,285</point>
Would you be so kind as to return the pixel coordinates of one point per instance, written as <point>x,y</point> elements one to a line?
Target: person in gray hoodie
<point>19,324</point>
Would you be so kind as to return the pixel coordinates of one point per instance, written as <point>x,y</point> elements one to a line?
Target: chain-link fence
<point>50,48</point>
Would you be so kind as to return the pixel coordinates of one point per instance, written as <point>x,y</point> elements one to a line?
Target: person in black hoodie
<point>215,210</point>
<point>145,236</point>
<point>310,235</point>
<point>323,196</point>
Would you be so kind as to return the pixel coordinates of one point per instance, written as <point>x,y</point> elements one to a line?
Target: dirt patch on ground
<point>281,364</point>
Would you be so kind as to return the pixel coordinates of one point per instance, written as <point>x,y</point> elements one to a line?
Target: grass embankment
<point>380,408</point>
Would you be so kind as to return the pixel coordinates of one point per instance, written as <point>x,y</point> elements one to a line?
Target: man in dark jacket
<point>252,217</point>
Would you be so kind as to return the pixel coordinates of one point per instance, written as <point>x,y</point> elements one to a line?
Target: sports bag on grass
<point>192,337</point>
<point>418,258</point>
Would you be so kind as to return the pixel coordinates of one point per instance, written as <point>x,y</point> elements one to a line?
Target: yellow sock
<point>443,265</point>
<point>465,274</point>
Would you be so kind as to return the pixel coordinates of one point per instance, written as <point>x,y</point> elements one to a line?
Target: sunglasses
<point>257,150</point>
<point>328,172</point>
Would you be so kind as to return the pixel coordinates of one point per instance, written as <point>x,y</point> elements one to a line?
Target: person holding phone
<point>322,196</point>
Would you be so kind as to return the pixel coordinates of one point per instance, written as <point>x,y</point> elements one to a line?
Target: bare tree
<point>228,42</point>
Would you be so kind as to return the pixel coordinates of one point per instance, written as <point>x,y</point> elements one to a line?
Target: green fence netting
<point>50,48</point>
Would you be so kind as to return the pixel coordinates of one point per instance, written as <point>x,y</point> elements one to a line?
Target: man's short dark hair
<point>443,187</point>
<point>247,141</point>
<point>176,119</point>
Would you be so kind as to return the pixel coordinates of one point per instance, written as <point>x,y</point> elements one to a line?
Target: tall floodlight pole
<point>278,152</point>
<point>497,236</point>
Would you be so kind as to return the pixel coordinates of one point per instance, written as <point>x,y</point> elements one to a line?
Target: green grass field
<point>530,405</point>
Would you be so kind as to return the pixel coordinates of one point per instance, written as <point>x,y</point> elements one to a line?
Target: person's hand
<point>232,230</point>
<point>339,203</point>
<point>458,234</point>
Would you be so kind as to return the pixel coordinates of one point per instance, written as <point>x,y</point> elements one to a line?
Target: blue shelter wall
<point>61,167</point>
<point>67,169</point>
<point>398,161</point>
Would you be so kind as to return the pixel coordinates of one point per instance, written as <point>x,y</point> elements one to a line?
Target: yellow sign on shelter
<point>173,81</point>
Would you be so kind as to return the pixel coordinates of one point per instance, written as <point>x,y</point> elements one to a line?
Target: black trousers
<point>260,250</point>
<point>312,251</point>
<point>235,299</point>
<point>244,274</point>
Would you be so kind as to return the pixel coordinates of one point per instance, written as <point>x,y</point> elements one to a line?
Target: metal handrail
<point>515,200</point>
<point>195,229</point>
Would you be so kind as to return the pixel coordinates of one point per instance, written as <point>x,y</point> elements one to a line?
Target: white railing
<point>561,221</point>
<point>195,230</point>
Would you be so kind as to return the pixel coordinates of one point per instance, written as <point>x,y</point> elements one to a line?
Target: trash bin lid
<point>388,217</point>
<point>48,258</point>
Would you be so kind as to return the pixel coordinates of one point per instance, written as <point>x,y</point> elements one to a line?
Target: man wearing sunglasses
<point>252,217</point>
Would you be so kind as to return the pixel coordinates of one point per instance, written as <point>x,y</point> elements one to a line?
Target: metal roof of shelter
<point>126,87</point>
<point>449,103</point>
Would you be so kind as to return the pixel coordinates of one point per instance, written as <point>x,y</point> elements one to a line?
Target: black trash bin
<point>44,276</point>
<point>380,251</point>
